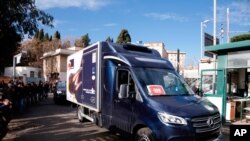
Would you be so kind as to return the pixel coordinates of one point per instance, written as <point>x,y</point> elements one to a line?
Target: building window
<point>32,74</point>
<point>239,59</point>
<point>39,74</point>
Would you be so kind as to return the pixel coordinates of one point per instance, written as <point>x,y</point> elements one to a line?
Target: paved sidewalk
<point>225,136</point>
<point>225,131</point>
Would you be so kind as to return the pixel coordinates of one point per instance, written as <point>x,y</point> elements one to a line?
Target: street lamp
<point>203,24</point>
<point>215,17</point>
<point>221,34</point>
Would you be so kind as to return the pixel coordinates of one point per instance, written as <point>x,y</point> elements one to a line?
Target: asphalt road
<point>49,122</point>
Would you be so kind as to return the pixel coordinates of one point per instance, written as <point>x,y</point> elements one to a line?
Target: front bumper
<point>182,132</point>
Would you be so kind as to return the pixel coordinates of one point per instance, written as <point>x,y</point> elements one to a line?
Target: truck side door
<point>122,115</point>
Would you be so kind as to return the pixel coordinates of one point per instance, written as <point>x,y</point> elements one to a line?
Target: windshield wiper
<point>187,94</point>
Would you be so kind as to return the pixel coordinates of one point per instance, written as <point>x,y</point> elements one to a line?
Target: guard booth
<point>228,85</point>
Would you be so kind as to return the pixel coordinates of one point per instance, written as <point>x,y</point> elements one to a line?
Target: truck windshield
<point>161,82</point>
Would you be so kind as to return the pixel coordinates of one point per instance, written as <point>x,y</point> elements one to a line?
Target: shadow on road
<point>47,121</point>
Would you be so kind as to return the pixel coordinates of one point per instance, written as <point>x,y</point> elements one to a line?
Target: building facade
<point>26,73</point>
<point>170,55</point>
<point>55,63</point>
<point>173,58</point>
<point>159,46</point>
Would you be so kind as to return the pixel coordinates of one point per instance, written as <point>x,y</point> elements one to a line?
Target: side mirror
<point>123,93</point>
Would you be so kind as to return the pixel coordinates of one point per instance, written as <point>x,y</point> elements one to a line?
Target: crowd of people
<point>22,95</point>
<point>16,97</point>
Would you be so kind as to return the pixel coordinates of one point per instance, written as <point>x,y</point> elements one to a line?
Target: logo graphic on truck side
<point>89,91</point>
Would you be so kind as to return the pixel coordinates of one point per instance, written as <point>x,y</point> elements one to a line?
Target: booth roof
<point>229,47</point>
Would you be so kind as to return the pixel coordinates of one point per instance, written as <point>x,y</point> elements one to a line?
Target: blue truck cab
<point>130,89</point>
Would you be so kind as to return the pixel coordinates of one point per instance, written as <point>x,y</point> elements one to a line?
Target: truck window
<point>124,77</point>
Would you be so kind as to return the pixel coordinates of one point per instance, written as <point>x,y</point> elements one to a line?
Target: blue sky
<point>176,23</point>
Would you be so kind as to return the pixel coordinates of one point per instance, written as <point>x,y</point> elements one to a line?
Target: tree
<point>123,37</point>
<point>109,39</point>
<point>35,50</point>
<point>50,38</point>
<point>241,37</point>
<point>78,43</point>
<point>46,37</point>
<point>57,35</point>
<point>85,40</point>
<point>18,18</point>
<point>66,44</point>
<point>41,35</point>
<point>36,34</point>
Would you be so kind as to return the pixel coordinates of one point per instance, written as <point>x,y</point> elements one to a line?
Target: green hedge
<point>241,37</point>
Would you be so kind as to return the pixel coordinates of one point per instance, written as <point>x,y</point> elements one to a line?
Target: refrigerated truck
<point>130,89</point>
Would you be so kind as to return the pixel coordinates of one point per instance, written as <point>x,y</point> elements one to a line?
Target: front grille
<point>206,124</point>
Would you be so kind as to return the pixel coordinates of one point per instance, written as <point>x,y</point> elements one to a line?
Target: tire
<point>144,134</point>
<point>78,113</point>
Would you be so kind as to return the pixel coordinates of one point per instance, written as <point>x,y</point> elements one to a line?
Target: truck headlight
<point>166,119</point>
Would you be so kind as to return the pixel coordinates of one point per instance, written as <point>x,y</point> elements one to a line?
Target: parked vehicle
<point>59,92</point>
<point>130,89</point>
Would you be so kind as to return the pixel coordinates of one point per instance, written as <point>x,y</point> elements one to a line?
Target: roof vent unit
<point>137,48</point>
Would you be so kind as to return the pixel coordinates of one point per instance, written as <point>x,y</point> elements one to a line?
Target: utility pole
<point>228,28</point>
<point>178,60</point>
<point>214,39</point>
<point>214,43</point>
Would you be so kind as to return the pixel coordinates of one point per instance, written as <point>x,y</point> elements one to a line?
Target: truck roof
<point>130,54</point>
<point>135,55</point>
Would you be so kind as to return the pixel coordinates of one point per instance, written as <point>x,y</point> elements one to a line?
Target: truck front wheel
<point>144,134</point>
